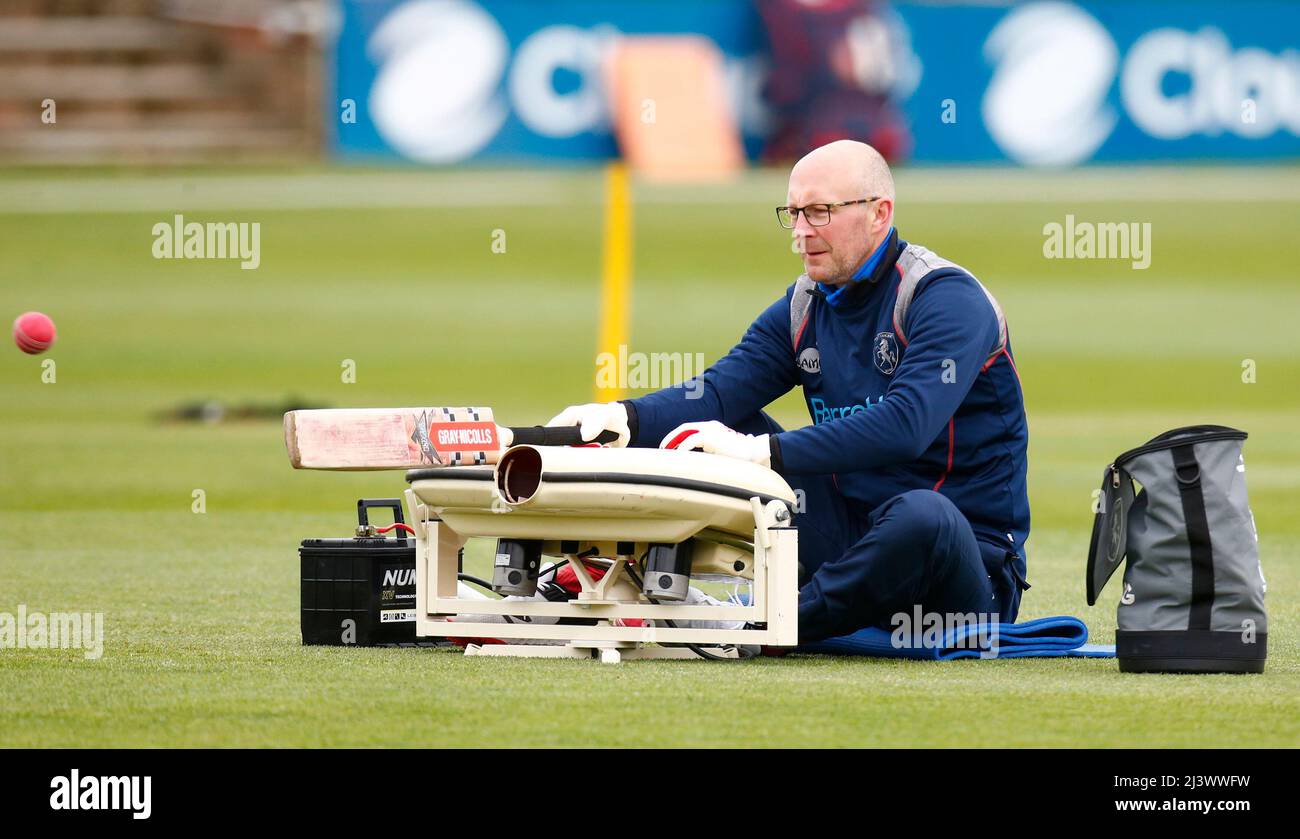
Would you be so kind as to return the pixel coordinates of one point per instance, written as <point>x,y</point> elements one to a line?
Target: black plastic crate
<point>360,591</point>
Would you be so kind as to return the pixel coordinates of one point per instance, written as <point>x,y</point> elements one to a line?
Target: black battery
<point>360,591</point>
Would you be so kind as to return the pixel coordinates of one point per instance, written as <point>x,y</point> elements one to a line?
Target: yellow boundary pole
<point>616,278</point>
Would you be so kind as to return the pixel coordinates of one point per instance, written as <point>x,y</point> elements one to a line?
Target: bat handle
<point>565,435</point>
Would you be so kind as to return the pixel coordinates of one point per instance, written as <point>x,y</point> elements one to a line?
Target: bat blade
<point>391,438</point>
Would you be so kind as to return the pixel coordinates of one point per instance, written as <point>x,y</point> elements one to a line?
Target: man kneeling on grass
<point>913,471</point>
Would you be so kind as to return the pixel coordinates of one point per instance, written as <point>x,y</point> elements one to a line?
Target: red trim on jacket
<point>944,476</point>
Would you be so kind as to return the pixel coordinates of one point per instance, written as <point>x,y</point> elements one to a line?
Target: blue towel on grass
<point>1041,638</point>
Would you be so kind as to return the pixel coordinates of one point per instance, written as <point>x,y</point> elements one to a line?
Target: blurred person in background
<point>838,67</point>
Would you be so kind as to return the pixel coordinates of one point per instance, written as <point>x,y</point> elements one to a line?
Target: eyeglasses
<point>818,215</point>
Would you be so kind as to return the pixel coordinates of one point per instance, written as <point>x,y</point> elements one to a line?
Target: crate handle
<point>364,504</point>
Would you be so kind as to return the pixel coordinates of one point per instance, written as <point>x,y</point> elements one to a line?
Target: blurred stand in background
<point>519,82</point>
<point>162,81</point>
<point>838,69</point>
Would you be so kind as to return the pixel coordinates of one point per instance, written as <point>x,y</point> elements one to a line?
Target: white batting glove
<point>716,438</point>
<point>595,417</point>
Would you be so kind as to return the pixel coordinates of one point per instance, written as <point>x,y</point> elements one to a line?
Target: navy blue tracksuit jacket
<point>914,465</point>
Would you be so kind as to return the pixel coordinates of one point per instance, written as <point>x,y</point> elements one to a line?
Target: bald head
<point>844,170</point>
<point>848,162</point>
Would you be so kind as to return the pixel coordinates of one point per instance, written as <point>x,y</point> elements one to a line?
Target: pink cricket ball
<point>34,332</point>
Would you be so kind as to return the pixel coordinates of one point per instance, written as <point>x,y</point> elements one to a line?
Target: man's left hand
<point>716,438</point>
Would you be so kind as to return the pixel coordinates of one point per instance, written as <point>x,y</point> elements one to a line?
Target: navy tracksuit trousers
<point>860,566</point>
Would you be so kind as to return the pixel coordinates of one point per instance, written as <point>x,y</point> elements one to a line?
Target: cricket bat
<point>409,438</point>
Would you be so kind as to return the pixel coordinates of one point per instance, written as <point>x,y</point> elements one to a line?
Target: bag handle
<point>1190,493</point>
<point>1188,435</point>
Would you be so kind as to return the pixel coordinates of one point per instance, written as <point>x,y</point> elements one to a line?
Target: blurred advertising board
<point>1040,84</point>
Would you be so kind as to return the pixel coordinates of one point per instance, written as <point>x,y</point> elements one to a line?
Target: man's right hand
<point>595,417</point>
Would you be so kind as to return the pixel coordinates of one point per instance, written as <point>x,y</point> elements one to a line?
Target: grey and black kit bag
<point>1193,597</point>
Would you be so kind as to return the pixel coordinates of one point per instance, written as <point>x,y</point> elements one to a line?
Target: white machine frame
<point>610,600</point>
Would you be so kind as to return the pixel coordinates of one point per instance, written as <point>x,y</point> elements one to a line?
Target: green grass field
<point>395,271</point>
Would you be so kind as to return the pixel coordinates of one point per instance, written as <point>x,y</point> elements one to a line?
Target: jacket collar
<point>859,288</point>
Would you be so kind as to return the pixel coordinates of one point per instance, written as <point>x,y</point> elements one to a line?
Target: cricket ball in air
<point>34,332</point>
